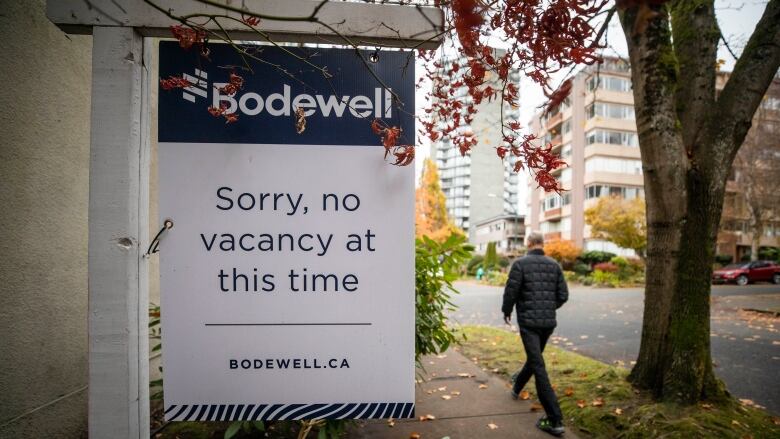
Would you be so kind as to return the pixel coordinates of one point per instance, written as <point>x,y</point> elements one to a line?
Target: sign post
<point>119,165</point>
<point>288,278</point>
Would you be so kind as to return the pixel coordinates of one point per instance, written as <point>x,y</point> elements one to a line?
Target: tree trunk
<point>688,140</point>
<point>754,245</point>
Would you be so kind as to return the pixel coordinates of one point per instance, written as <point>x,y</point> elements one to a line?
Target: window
<point>625,138</point>
<point>608,110</point>
<point>566,151</point>
<point>770,103</point>
<point>566,127</point>
<point>566,174</point>
<point>596,191</point>
<point>611,83</point>
<point>612,164</point>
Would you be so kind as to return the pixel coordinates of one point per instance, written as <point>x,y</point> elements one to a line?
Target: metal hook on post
<point>154,246</point>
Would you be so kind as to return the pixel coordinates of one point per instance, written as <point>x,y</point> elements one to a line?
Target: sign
<point>287,280</point>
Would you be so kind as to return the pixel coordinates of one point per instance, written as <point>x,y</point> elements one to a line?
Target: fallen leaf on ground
<point>775,420</point>
<point>536,407</point>
<point>414,436</point>
<point>583,375</point>
<point>598,402</point>
<point>441,356</point>
<point>746,401</point>
<point>427,418</point>
<point>464,375</point>
<point>495,370</point>
<point>706,406</point>
<point>735,422</point>
<point>618,411</point>
<point>483,386</point>
<point>445,397</point>
<point>455,392</point>
<point>581,403</point>
<point>492,426</point>
<point>525,395</point>
<point>430,392</point>
<point>569,391</point>
<point>390,422</point>
<point>583,337</point>
<point>441,389</point>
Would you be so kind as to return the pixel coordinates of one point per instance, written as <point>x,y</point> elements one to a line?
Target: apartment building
<point>594,131</point>
<point>507,231</point>
<point>478,186</point>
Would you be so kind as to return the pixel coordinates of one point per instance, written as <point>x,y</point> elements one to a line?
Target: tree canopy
<point>620,221</point>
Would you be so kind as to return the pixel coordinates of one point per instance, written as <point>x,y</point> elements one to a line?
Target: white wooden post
<point>118,230</point>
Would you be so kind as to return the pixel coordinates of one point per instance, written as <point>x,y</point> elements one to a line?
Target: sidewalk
<point>466,402</point>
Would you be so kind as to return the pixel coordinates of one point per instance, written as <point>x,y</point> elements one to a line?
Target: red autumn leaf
<point>172,82</point>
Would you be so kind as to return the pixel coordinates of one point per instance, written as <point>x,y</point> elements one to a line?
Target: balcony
<point>552,213</point>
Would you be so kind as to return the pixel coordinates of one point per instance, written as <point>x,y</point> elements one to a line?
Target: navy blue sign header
<point>338,110</point>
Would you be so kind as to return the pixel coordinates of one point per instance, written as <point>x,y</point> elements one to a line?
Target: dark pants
<point>534,341</point>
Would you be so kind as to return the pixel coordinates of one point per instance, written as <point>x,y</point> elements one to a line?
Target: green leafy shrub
<point>491,257</point>
<point>570,276</point>
<point>768,253</point>
<point>620,261</point>
<point>605,278</point>
<point>496,278</point>
<point>474,263</point>
<point>724,259</point>
<point>504,261</point>
<point>582,268</point>
<point>595,256</point>
<point>436,268</point>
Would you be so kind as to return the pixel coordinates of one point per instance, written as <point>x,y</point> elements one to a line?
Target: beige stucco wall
<point>44,158</point>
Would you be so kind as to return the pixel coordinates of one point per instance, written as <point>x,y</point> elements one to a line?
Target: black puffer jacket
<point>536,288</point>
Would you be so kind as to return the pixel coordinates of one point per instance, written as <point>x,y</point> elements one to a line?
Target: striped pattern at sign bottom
<point>267,412</point>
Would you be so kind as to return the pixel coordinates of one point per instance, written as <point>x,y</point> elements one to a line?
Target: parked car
<point>746,272</point>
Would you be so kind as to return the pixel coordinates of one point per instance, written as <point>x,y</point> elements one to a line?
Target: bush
<point>565,252</point>
<point>582,269</point>
<point>491,257</point>
<point>595,256</point>
<point>724,259</point>
<point>497,278</point>
<point>768,253</point>
<point>437,266</point>
<point>570,276</point>
<point>504,261</point>
<point>605,278</point>
<point>606,267</point>
<point>620,261</point>
<point>474,263</point>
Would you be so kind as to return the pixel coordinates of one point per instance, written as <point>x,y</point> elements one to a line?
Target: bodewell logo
<point>283,104</point>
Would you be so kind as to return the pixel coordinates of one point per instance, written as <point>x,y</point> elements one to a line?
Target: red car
<point>745,272</point>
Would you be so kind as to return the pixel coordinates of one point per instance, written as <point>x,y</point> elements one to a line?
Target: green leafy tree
<point>491,257</point>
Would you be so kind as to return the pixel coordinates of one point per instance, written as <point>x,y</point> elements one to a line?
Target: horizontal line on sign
<point>288,324</point>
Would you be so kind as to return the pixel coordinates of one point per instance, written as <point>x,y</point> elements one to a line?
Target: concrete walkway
<point>466,402</point>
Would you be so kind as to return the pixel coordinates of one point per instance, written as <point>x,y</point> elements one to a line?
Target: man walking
<point>536,288</point>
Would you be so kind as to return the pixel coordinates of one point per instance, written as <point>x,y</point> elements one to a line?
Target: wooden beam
<point>362,23</point>
<point>118,230</point>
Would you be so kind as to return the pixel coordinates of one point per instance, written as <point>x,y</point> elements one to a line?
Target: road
<point>606,324</point>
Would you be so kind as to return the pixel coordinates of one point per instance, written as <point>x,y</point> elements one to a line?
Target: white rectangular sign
<point>287,280</point>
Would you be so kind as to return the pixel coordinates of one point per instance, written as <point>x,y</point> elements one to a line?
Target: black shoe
<point>547,426</point>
